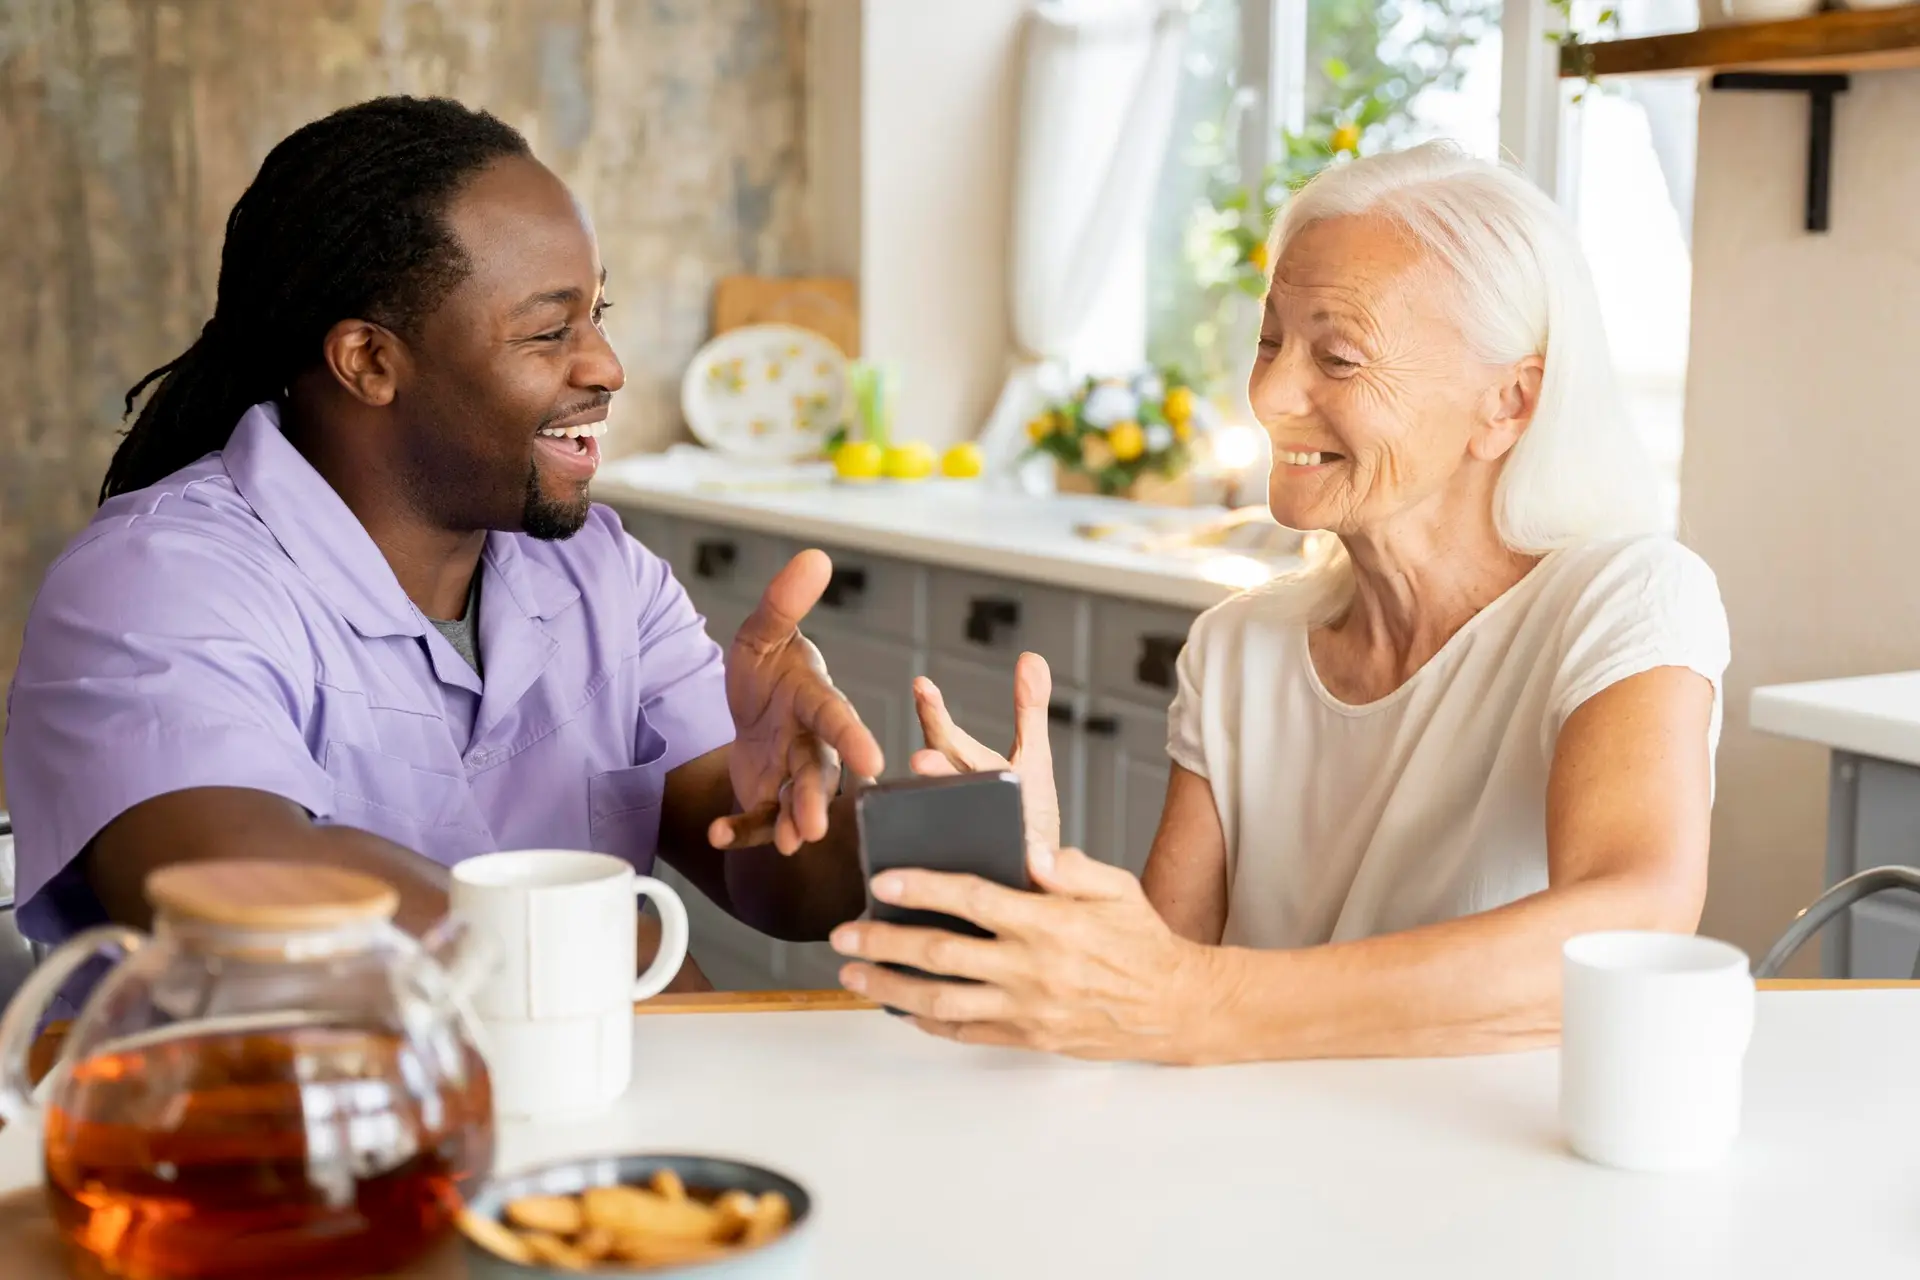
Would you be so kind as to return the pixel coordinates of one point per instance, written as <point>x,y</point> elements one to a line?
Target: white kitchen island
<point>1871,728</point>
<point>935,1161</point>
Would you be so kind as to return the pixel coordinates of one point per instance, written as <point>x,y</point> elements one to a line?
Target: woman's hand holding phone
<point>1085,966</point>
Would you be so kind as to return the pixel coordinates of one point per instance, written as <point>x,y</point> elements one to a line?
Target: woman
<point>1403,778</point>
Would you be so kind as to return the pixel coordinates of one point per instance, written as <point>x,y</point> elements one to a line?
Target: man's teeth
<point>590,429</point>
<point>1306,459</point>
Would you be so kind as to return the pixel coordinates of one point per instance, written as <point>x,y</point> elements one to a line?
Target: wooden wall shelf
<point>1867,40</point>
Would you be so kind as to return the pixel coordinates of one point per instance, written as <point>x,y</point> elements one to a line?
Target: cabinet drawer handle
<point>986,615</point>
<point>842,586</point>
<point>1103,726</point>
<point>1159,656</point>
<point>714,558</point>
<point>1060,712</point>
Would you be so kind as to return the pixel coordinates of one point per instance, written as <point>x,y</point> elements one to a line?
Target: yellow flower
<point>1183,429</point>
<point>1040,428</point>
<point>1127,440</point>
<point>1179,406</point>
<point>1258,256</point>
<point>1095,453</point>
<point>1345,138</point>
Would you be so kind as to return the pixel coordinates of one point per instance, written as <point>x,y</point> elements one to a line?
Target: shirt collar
<point>538,590</point>
<point>321,535</point>
<point>315,527</point>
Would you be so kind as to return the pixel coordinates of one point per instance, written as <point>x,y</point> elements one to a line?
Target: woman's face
<point>1374,402</point>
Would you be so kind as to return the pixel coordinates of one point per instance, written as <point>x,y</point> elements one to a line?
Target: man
<point>346,600</point>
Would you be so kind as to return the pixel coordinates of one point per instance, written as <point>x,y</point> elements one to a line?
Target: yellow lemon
<point>962,462</point>
<point>1183,429</point>
<point>858,460</point>
<point>1040,428</point>
<point>910,461</point>
<point>1345,138</point>
<point>1127,440</point>
<point>1258,257</point>
<point>1179,405</point>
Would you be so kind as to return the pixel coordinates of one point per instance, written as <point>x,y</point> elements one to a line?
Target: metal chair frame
<point>1855,887</point>
<point>38,950</point>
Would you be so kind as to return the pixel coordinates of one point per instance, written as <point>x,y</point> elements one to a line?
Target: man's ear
<point>1510,405</point>
<point>365,359</point>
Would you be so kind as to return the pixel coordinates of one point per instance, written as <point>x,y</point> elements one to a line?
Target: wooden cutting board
<point>824,304</point>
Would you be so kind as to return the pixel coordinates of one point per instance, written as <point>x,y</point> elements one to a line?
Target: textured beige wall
<point>1802,453</point>
<point>128,127</point>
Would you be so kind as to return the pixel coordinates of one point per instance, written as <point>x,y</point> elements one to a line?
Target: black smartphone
<point>970,824</point>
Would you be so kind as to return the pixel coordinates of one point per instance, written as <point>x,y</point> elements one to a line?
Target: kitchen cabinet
<point>1883,937</point>
<point>1874,821</point>
<point>877,677</point>
<point>888,618</point>
<point>987,619</point>
<point>1126,780</point>
<point>1870,726</point>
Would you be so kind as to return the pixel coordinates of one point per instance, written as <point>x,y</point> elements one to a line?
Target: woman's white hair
<point>1579,472</point>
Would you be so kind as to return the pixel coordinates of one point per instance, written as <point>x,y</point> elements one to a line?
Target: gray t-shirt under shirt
<point>463,633</point>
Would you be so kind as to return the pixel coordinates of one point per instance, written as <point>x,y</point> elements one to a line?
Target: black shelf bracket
<point>1819,90</point>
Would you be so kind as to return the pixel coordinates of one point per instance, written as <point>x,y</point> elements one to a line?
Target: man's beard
<point>549,519</point>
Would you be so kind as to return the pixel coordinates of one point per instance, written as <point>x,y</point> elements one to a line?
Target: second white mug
<point>1654,1034</point>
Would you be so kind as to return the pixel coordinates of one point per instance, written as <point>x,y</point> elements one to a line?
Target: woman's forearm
<point>1485,983</point>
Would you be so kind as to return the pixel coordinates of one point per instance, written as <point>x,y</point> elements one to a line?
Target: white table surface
<point>1870,715</point>
<point>958,524</point>
<point>930,1160</point>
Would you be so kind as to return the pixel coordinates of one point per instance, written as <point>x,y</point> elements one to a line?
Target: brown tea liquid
<point>310,1153</point>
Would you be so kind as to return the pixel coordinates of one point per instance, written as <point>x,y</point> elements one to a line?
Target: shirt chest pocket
<point>623,808</point>
<point>424,810</point>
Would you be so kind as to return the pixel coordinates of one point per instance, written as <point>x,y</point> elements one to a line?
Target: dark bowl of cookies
<point>651,1216</point>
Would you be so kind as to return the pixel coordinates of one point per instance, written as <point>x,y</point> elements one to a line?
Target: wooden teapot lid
<point>259,894</point>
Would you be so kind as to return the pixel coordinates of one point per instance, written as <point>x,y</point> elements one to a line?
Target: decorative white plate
<point>767,391</point>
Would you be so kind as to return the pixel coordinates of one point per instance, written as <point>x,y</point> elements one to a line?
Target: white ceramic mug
<point>558,1067</point>
<point>1654,1036</point>
<point>556,1011</point>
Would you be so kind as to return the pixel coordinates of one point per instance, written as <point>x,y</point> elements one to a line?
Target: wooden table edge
<point>829,1000</point>
<point>1834,984</point>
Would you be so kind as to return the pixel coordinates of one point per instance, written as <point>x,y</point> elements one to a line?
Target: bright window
<point>1183,304</point>
<point>1627,175</point>
<point>1407,71</point>
<point>1267,87</point>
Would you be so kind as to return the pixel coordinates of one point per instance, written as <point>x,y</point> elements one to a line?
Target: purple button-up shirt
<point>234,625</point>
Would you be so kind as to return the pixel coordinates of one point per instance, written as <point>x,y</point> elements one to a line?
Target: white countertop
<point>962,524</point>
<point>1869,715</point>
<point>932,1160</point>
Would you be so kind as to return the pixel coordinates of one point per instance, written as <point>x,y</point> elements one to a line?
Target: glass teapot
<point>279,1082</point>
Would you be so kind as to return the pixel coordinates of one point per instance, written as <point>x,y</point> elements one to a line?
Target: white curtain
<point>1097,97</point>
<point>1671,103</point>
